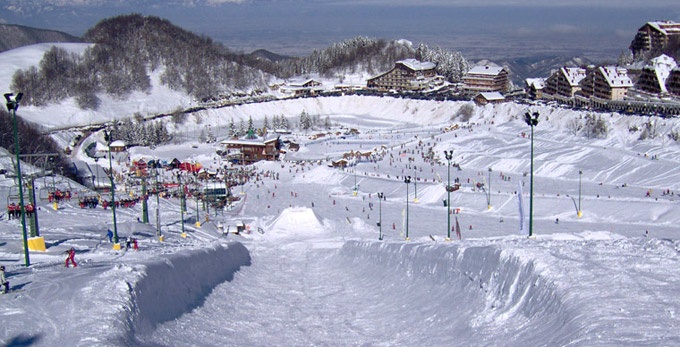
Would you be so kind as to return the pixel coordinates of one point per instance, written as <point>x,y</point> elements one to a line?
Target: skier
<point>71,254</point>
<point>3,280</point>
<point>557,221</point>
<point>134,244</point>
<point>109,234</point>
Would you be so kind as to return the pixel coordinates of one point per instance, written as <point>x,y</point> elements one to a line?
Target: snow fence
<point>179,283</point>
<point>498,296</point>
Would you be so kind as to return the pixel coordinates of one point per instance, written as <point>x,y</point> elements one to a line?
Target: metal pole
<point>488,200</point>
<point>181,201</point>
<point>448,197</point>
<point>12,105</point>
<point>407,180</point>
<point>145,206</point>
<point>531,187</point>
<point>580,173</point>
<point>35,230</point>
<point>158,205</point>
<point>113,190</point>
<point>380,197</point>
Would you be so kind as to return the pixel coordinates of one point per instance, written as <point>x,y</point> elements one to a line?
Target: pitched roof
<point>574,75</point>
<point>662,66</point>
<point>417,65</point>
<point>486,70</point>
<point>537,83</point>
<point>616,76</point>
<point>491,96</point>
<point>667,27</point>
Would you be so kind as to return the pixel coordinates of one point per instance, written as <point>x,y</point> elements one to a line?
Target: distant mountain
<point>271,56</point>
<point>13,36</point>
<point>537,66</point>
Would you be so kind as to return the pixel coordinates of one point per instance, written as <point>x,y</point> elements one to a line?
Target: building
<point>653,37</point>
<point>486,79</point>
<point>653,77</point>
<point>606,82</point>
<point>484,98</point>
<point>673,82</point>
<point>118,146</point>
<point>303,87</point>
<point>534,87</point>
<point>403,76</point>
<point>247,151</point>
<point>564,82</point>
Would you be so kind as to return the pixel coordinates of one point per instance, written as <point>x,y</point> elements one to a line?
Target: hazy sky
<point>599,29</point>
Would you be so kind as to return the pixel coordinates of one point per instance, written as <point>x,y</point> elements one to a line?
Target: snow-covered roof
<point>491,96</point>
<point>616,76</point>
<point>537,83</point>
<point>118,143</point>
<point>662,66</point>
<point>301,83</point>
<point>574,75</point>
<point>485,70</point>
<point>251,142</point>
<point>417,65</point>
<point>667,27</point>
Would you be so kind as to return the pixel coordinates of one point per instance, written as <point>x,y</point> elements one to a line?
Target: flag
<point>458,229</point>
<point>522,222</point>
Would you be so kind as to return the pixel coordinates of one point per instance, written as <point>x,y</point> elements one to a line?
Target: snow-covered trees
<point>450,64</point>
<point>140,132</point>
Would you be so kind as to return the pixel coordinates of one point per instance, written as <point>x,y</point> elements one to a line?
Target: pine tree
<point>241,128</point>
<point>232,128</point>
<point>265,124</point>
<point>250,125</point>
<point>327,122</point>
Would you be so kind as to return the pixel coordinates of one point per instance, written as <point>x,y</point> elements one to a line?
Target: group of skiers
<point>127,203</point>
<point>89,202</point>
<point>58,196</point>
<point>14,210</point>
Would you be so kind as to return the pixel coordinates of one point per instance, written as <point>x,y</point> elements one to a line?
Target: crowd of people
<point>14,210</point>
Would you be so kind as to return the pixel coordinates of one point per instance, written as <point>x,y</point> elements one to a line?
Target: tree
<point>232,128</point>
<point>327,122</point>
<point>265,124</point>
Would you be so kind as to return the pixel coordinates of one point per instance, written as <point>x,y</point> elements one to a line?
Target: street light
<point>107,138</point>
<point>415,184</point>
<point>181,203</point>
<point>355,177</point>
<point>407,180</point>
<point>13,105</point>
<point>449,156</point>
<point>488,194</point>
<point>380,197</point>
<point>580,173</point>
<point>532,120</point>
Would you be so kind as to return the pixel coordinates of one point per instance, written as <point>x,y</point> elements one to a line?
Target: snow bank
<point>296,220</point>
<point>497,293</point>
<point>179,283</point>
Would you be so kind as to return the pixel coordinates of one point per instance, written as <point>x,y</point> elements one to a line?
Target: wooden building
<point>247,151</point>
<point>303,88</point>
<point>673,82</point>
<point>484,98</point>
<point>486,79</point>
<point>606,82</point>
<point>565,82</point>
<point>534,87</point>
<point>653,77</point>
<point>654,36</point>
<point>403,76</point>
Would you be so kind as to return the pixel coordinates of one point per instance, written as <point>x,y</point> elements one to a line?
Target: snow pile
<point>296,220</point>
<point>319,175</point>
<point>181,282</point>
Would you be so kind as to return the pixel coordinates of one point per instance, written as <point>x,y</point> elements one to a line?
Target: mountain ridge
<point>14,36</point>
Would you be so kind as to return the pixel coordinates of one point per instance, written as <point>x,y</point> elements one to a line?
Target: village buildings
<point>486,79</point>
<point>534,87</point>
<point>673,82</point>
<point>484,98</point>
<point>248,151</point>
<point>654,36</point>
<point>565,82</point>
<point>606,82</point>
<point>406,75</point>
<point>653,77</point>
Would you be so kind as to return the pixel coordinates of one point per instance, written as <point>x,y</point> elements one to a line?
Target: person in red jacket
<point>71,255</point>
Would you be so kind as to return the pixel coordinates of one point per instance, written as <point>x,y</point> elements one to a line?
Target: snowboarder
<point>109,234</point>
<point>128,243</point>
<point>71,254</point>
<point>3,280</point>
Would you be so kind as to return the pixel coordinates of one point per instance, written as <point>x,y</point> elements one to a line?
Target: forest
<point>127,49</point>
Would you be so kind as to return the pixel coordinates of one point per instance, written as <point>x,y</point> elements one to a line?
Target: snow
<point>417,65</point>
<point>485,70</point>
<point>318,275</point>
<point>616,76</point>
<point>574,75</point>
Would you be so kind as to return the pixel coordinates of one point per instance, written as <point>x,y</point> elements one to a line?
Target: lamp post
<point>407,180</point>
<point>415,184</point>
<point>107,138</point>
<point>579,213</point>
<point>158,205</point>
<point>532,120</point>
<point>380,197</point>
<point>488,197</point>
<point>13,105</point>
<point>355,177</point>
<point>449,156</point>
<point>181,203</point>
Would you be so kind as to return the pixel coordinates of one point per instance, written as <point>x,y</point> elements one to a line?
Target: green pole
<point>380,197</point>
<point>448,197</point>
<point>12,105</point>
<point>107,135</point>
<point>580,173</point>
<point>488,200</point>
<point>145,205</point>
<point>34,220</point>
<point>181,202</point>
<point>407,180</point>
<point>158,204</point>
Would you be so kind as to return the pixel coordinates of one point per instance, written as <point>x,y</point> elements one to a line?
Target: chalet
<point>247,151</point>
<point>673,82</point>
<point>534,87</point>
<point>565,82</point>
<point>653,37</point>
<point>303,87</point>
<point>339,163</point>
<point>402,76</point>
<point>653,77</point>
<point>486,79</point>
<point>606,82</point>
<point>484,98</point>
